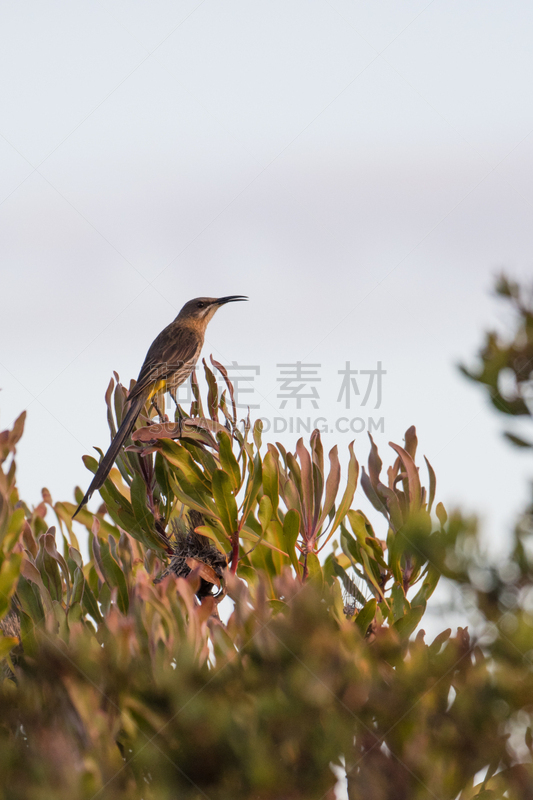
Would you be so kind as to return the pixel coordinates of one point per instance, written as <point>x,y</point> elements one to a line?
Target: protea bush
<point>123,680</point>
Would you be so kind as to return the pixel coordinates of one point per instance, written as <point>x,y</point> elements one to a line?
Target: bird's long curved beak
<point>230,299</point>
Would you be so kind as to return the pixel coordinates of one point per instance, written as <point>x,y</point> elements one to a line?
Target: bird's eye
<point>200,305</point>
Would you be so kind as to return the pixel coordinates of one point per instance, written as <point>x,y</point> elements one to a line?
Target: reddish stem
<point>235,554</point>
<point>305,573</point>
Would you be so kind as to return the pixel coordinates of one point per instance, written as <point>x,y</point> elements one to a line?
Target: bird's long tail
<point>108,460</point>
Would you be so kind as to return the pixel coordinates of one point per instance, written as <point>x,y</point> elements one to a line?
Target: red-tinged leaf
<point>368,489</point>
<point>283,453</point>
<point>204,571</point>
<point>347,498</point>
<point>196,405</point>
<point>49,569</point>
<point>432,485</point>
<point>75,555</point>
<point>317,450</point>
<point>295,473</point>
<point>108,402</point>
<point>332,484</point>
<point>196,429</point>
<point>392,505</point>
<point>307,488</point>
<point>411,442</point>
<point>374,464</point>
<point>31,573</point>
<point>413,479</point>
<point>212,394</point>
<point>51,549</point>
<point>223,371</point>
<point>29,540</point>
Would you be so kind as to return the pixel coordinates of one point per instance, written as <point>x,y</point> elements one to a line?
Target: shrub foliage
<point>121,680</point>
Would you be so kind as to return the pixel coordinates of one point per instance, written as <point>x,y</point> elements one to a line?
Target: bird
<point>169,361</point>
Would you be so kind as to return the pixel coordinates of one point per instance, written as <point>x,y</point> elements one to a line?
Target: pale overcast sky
<point>360,170</point>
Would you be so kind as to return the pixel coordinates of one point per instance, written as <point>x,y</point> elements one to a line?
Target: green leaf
<point>225,501</point>
<point>315,569</point>
<point>398,602</point>
<point>49,569</point>
<point>90,604</point>
<point>265,512</point>
<point>307,487</point>
<point>438,641</point>
<point>257,432</point>
<point>193,498</point>
<point>111,572</point>
<point>77,589</point>
<point>366,615</point>
<point>279,606</point>
<point>7,643</point>
<point>271,480</point>
<point>429,585</point>
<point>9,573</point>
<point>407,624</point>
<point>179,456</point>
<point>291,529</point>
<point>442,516</point>
<point>255,479</point>
<point>50,547</point>
<point>139,502</point>
<point>228,461</point>
<point>432,485</point>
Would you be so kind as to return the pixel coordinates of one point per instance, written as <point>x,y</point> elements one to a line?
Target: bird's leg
<point>180,415</point>
<point>162,417</point>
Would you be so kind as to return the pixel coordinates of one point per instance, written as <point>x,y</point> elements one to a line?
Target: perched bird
<point>169,362</point>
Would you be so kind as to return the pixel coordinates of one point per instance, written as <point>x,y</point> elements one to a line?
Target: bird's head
<point>200,310</point>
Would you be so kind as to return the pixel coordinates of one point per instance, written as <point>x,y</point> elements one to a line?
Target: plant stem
<point>235,554</point>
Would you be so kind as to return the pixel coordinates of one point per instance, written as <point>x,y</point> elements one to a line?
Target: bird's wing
<point>175,350</point>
